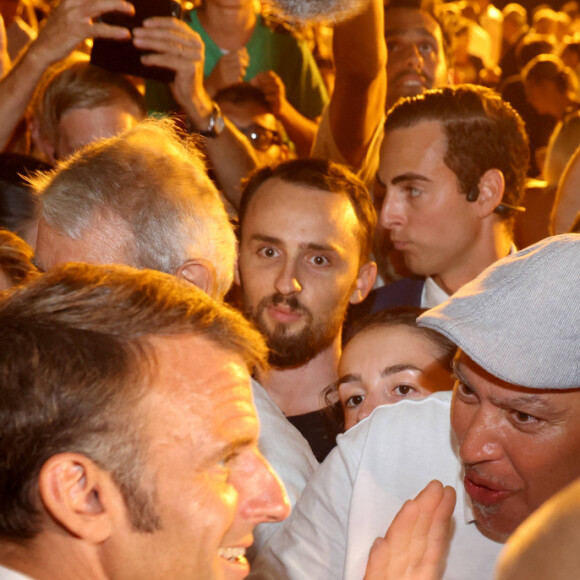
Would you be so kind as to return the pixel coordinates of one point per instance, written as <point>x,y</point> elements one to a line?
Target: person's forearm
<point>358,101</point>
<point>230,153</point>
<point>232,159</point>
<point>300,130</point>
<point>17,89</point>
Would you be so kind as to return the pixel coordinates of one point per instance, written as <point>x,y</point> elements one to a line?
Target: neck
<point>298,390</point>
<point>45,558</point>
<point>493,245</point>
<point>229,27</point>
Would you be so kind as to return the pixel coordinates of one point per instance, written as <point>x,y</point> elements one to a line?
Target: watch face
<point>219,123</point>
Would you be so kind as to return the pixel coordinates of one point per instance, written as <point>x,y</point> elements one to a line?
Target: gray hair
<point>154,182</point>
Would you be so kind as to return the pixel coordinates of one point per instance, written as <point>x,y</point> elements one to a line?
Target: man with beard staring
<point>306,230</point>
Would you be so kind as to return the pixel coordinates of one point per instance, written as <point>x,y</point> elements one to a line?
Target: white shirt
<point>432,294</point>
<point>287,452</point>
<point>353,497</point>
<point>8,574</point>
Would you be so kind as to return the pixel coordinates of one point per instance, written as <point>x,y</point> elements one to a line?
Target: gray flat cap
<point>520,318</point>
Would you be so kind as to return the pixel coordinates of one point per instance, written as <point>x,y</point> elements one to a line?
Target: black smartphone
<point>123,56</point>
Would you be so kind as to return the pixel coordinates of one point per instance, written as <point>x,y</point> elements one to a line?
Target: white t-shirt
<point>353,497</point>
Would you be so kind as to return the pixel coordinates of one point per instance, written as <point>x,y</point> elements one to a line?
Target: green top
<point>268,49</point>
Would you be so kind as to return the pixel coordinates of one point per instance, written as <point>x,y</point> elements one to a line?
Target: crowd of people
<point>300,307</point>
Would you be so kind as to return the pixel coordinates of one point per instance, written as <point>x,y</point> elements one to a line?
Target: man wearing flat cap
<point>507,440</point>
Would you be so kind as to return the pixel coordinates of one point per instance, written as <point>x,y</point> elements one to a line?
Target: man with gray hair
<point>507,440</point>
<point>144,199</point>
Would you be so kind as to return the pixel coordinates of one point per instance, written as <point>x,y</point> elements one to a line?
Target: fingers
<point>416,542</point>
<point>173,43</point>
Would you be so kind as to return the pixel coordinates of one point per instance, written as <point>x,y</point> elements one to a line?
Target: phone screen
<point>121,55</point>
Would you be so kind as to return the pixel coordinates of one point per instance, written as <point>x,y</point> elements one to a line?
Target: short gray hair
<point>157,184</point>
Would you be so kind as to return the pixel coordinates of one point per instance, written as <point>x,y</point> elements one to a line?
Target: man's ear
<point>41,143</point>
<point>200,273</point>
<point>491,189</point>
<point>364,282</point>
<point>79,496</point>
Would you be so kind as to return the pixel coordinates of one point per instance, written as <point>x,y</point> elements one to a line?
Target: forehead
<point>387,342</point>
<point>245,114</point>
<point>502,394</point>
<point>297,211</point>
<point>420,147</point>
<point>79,126</point>
<point>199,391</point>
<point>410,24</point>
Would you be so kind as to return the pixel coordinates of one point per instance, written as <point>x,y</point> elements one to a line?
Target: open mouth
<point>485,493</point>
<point>233,554</point>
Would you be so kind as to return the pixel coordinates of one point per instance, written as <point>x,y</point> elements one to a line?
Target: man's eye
<point>268,252</point>
<point>426,48</point>
<point>524,418</point>
<point>413,191</point>
<point>354,401</point>
<point>393,46</point>
<point>464,391</point>
<point>319,260</point>
<point>228,459</point>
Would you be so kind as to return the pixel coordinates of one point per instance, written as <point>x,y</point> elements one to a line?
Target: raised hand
<point>230,68</point>
<point>416,543</point>
<point>72,22</point>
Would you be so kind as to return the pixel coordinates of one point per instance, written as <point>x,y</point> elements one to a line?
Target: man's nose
<point>265,496</point>
<point>287,281</point>
<point>413,57</point>
<point>481,440</point>
<point>392,212</point>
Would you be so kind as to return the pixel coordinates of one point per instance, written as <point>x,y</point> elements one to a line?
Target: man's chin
<point>489,522</point>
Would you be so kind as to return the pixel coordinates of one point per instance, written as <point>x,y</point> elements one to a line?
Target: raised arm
<point>178,47</point>
<point>66,27</point>
<point>357,104</point>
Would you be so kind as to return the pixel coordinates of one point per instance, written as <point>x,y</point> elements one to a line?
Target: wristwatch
<point>216,123</point>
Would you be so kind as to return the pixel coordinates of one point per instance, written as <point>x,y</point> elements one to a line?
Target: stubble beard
<point>293,349</point>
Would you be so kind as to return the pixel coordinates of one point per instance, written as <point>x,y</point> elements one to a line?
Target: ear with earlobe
<point>491,190</point>
<point>364,282</point>
<point>200,273</point>
<point>41,143</point>
<point>80,496</point>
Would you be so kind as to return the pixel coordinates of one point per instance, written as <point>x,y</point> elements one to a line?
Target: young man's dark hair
<point>324,176</point>
<point>482,131</point>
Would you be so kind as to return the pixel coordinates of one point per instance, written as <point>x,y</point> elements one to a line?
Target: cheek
<point>349,418</point>
<point>460,419</point>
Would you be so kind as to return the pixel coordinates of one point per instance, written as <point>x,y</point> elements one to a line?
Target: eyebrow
<point>386,372</point>
<point>405,31</point>
<point>529,402</point>
<point>409,177</point>
<point>309,246</point>
<point>231,447</point>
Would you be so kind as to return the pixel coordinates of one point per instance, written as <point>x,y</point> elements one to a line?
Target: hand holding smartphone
<point>121,55</point>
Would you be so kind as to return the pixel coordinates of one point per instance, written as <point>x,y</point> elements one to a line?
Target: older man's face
<point>518,446</point>
<point>209,483</point>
